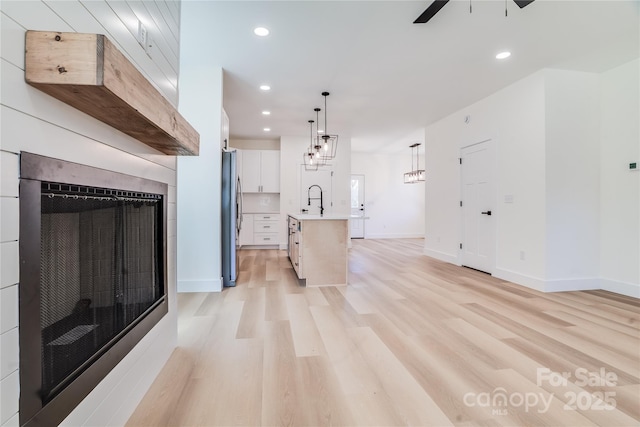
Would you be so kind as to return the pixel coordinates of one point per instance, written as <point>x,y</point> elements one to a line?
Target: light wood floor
<point>410,341</point>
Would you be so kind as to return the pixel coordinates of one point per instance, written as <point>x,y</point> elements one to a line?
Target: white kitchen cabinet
<point>261,171</point>
<point>259,229</point>
<point>270,171</point>
<point>246,232</point>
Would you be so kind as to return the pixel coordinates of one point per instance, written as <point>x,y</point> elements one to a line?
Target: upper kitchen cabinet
<point>261,171</point>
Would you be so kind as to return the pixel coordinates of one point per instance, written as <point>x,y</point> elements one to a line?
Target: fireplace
<point>92,278</point>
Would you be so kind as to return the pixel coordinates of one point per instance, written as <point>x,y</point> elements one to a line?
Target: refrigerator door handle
<point>240,207</point>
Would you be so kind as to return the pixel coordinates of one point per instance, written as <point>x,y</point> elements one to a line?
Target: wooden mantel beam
<point>89,73</point>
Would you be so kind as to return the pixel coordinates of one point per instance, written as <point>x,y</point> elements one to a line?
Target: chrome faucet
<point>309,198</point>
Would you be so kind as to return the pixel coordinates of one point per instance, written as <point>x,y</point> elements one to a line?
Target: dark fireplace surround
<point>93,278</point>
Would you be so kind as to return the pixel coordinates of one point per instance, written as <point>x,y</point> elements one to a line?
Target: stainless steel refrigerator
<point>231,217</point>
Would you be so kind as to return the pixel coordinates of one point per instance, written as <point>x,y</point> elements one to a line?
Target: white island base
<point>318,248</point>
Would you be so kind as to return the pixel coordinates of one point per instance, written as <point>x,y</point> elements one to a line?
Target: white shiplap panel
<point>24,98</point>
<point>13,422</point>
<point>169,35</point>
<point>159,73</point>
<point>9,211</point>
<point>130,13</point>
<point>72,147</point>
<point>10,33</point>
<point>174,8</point>
<point>9,264</point>
<point>8,308</point>
<point>172,21</point>
<point>10,169</point>
<point>34,15</point>
<point>161,53</point>
<point>172,194</point>
<point>9,392</point>
<point>76,15</point>
<point>9,358</point>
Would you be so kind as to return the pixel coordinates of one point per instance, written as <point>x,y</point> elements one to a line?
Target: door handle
<point>486,213</point>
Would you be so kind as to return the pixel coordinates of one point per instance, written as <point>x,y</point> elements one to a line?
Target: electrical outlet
<point>142,35</point>
<point>521,255</point>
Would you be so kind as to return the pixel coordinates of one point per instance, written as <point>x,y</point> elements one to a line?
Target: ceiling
<point>390,78</point>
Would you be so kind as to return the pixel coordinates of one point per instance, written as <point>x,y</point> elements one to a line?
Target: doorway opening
<point>357,207</point>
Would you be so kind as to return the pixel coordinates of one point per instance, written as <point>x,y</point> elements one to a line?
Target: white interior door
<point>322,178</point>
<point>357,207</point>
<point>478,207</point>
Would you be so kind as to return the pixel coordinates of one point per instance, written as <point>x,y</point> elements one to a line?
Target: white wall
<point>514,119</point>
<point>35,122</point>
<point>199,178</point>
<point>619,187</point>
<point>564,140</point>
<point>291,149</point>
<point>572,111</point>
<point>394,209</point>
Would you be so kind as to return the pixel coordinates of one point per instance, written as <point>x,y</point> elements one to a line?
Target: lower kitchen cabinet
<point>259,229</point>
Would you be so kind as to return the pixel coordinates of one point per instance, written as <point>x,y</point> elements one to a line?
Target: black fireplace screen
<point>101,266</point>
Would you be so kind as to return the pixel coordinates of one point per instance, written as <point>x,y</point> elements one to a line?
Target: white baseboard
<point>564,285</point>
<point>393,236</point>
<point>623,288</point>
<point>442,256</point>
<point>520,279</point>
<point>200,285</point>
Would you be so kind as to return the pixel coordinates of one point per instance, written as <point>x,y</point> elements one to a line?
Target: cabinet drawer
<point>265,226</point>
<point>266,217</point>
<point>265,238</point>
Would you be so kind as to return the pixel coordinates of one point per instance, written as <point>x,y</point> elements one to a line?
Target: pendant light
<point>415,175</point>
<point>327,142</point>
<point>308,156</point>
<point>322,148</point>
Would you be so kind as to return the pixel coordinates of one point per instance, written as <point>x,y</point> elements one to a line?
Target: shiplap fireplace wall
<point>35,122</point>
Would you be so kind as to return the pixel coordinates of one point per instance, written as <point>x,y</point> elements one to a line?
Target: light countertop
<point>317,217</point>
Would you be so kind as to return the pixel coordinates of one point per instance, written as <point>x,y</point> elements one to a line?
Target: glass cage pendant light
<point>327,143</point>
<point>415,175</point>
<point>308,156</point>
<point>317,148</point>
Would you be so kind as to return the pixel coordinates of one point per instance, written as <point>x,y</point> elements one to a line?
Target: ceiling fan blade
<point>523,3</point>
<point>432,10</point>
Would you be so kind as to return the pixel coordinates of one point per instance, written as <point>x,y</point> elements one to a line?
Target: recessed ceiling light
<point>265,87</point>
<point>503,55</point>
<point>267,129</point>
<point>320,131</point>
<point>266,113</point>
<point>261,31</point>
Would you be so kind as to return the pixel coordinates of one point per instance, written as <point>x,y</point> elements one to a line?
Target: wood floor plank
<point>253,314</point>
<point>410,341</point>
<point>412,403</point>
<point>306,339</point>
<point>362,392</point>
<point>157,406</point>
<point>323,403</point>
<point>280,392</point>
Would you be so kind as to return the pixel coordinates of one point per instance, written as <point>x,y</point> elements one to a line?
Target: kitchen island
<point>317,248</point>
